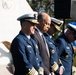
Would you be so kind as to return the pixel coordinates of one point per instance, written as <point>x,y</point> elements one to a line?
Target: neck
<point>27,33</point>
<point>40,29</point>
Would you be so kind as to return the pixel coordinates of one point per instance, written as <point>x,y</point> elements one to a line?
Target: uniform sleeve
<point>60,46</point>
<point>53,54</point>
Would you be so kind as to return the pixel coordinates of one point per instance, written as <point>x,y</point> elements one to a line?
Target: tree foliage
<point>41,5</point>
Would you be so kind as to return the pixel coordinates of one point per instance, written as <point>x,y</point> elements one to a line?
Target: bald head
<point>44,21</point>
<point>43,16</point>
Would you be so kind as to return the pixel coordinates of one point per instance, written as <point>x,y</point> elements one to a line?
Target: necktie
<point>44,40</point>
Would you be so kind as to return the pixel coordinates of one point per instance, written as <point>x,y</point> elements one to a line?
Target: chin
<point>45,31</point>
<point>32,32</point>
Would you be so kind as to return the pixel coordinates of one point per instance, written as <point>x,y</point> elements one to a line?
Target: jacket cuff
<point>41,71</point>
<point>32,72</point>
<point>55,66</point>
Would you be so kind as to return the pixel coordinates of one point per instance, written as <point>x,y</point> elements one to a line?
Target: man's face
<point>30,28</point>
<point>45,25</point>
<point>71,36</point>
<point>52,30</point>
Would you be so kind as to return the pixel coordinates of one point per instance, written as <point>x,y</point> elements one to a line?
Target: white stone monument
<point>10,10</point>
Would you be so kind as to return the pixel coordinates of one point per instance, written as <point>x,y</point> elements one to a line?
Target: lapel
<point>30,42</point>
<point>49,37</point>
<point>25,38</point>
<point>71,48</point>
<point>41,40</point>
<point>35,47</point>
<point>69,44</point>
<point>38,35</point>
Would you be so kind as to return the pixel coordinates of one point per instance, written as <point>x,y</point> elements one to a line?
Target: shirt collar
<point>28,36</point>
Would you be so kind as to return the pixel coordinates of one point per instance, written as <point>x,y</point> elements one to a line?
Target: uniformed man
<point>65,47</point>
<point>74,45</point>
<point>26,58</point>
<point>55,62</point>
<point>44,24</point>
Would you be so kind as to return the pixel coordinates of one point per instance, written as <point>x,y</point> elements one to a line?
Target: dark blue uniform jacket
<point>53,50</point>
<point>25,56</point>
<point>65,53</point>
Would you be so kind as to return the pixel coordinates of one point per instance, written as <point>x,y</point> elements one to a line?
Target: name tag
<point>28,46</point>
<point>67,48</point>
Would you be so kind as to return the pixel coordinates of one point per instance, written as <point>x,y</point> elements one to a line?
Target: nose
<point>34,26</point>
<point>49,26</point>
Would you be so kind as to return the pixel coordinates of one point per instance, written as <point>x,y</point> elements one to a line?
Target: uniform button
<point>67,56</point>
<point>29,69</point>
<point>30,52</point>
<point>38,64</point>
<point>36,58</point>
<point>52,51</point>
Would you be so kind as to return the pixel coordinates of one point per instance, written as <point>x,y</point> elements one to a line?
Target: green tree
<point>41,5</point>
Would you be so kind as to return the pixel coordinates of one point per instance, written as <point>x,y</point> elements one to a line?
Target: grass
<point>74,60</point>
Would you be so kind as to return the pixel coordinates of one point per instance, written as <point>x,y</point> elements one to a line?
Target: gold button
<point>52,51</point>
<point>38,64</point>
<point>36,58</point>
<point>29,69</point>
<point>66,56</point>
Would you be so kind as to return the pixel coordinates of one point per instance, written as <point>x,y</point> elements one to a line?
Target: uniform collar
<point>28,36</point>
<point>48,35</point>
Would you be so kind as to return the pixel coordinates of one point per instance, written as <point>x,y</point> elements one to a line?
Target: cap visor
<point>33,21</point>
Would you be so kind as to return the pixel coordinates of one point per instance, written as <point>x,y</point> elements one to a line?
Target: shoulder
<point>60,41</point>
<point>19,40</point>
